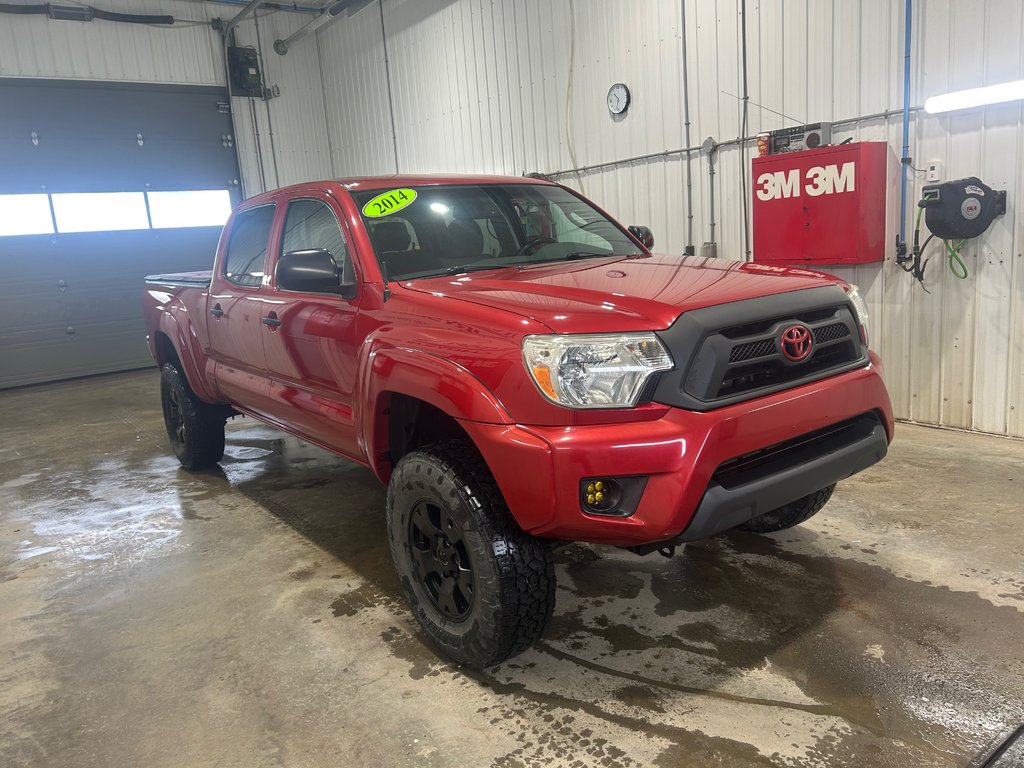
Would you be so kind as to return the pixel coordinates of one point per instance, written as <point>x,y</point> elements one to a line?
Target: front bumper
<point>539,468</point>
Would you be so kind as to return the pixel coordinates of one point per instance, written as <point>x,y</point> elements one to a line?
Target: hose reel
<point>955,212</point>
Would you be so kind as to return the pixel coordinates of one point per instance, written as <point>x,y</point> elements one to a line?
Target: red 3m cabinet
<point>833,205</point>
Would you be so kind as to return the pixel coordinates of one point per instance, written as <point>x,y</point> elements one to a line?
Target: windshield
<point>434,230</point>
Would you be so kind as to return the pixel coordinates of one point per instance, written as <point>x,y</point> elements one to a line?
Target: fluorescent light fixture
<point>975,97</point>
<point>194,208</point>
<point>100,211</point>
<point>25,215</point>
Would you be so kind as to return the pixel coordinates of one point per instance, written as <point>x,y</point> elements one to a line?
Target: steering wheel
<point>530,245</point>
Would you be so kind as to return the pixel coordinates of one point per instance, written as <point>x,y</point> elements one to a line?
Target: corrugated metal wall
<point>282,140</point>
<point>485,86</point>
<point>34,46</point>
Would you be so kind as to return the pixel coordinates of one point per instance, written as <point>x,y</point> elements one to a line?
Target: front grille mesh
<point>832,332</point>
<point>752,350</point>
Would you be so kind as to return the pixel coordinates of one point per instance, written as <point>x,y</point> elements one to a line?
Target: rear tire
<point>195,428</point>
<point>480,588</point>
<point>790,514</point>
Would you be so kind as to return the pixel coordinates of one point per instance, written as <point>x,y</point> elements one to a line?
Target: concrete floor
<point>250,617</point>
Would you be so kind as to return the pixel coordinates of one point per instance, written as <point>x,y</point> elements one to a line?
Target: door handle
<point>271,321</point>
<point>217,311</point>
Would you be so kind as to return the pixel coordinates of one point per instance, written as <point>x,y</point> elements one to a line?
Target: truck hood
<point>617,294</point>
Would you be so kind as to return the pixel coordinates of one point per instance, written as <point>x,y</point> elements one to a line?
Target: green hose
<point>953,257</point>
<point>956,263</point>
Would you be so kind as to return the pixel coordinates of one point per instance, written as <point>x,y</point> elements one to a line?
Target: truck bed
<point>182,279</point>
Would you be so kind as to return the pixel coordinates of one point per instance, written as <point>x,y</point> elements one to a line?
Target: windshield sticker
<point>389,202</point>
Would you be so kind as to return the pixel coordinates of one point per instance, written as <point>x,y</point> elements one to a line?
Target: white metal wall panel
<point>482,87</point>
<point>35,46</point>
<point>282,140</point>
<point>356,96</point>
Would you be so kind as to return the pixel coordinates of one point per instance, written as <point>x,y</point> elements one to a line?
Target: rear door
<point>311,354</point>
<point>237,309</point>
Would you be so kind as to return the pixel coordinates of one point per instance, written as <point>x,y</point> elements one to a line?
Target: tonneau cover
<point>184,279</point>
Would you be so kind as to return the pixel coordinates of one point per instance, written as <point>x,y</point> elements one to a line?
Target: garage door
<point>101,185</point>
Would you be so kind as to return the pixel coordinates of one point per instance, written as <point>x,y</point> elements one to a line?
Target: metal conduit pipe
<point>726,143</point>
<point>249,8</point>
<point>901,244</point>
<point>290,7</point>
<point>331,13</point>
<point>225,40</point>
<point>689,250</point>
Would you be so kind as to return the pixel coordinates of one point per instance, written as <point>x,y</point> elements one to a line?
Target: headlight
<point>860,308</point>
<point>594,371</point>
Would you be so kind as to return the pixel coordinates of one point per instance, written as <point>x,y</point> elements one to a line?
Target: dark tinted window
<point>247,252</point>
<point>312,224</point>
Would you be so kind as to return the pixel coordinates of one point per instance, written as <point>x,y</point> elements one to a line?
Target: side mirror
<point>314,271</point>
<point>643,234</point>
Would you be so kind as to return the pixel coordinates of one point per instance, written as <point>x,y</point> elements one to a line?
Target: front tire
<point>790,514</point>
<point>480,588</point>
<point>195,428</point>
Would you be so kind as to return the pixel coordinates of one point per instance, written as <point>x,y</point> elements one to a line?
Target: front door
<point>311,353</point>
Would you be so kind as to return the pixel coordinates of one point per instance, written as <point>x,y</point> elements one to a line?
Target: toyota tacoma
<point>519,370</point>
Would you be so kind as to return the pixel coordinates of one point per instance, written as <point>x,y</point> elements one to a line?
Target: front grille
<point>773,371</point>
<point>758,364</point>
<point>733,352</point>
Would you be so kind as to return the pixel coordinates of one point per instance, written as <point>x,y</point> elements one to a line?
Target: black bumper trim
<point>837,455</point>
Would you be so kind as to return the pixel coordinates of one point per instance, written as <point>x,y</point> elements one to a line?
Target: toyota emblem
<point>797,342</point>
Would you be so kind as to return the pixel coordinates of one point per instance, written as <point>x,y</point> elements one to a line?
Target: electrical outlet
<point>934,170</point>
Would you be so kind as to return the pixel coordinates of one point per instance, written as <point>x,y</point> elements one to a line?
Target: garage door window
<point>191,208</point>
<point>100,211</point>
<point>25,215</point>
<point>247,252</point>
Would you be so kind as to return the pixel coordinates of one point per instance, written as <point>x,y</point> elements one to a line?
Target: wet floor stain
<point>801,649</point>
<point>733,624</point>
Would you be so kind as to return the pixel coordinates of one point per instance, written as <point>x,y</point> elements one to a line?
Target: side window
<point>247,249</point>
<point>312,224</point>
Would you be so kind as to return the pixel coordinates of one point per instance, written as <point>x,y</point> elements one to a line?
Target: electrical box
<point>833,205</point>
<point>244,68</point>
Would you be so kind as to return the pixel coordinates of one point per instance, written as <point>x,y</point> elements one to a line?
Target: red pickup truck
<point>519,369</point>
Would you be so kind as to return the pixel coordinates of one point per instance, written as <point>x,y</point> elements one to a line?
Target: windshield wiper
<point>461,268</point>
<point>458,269</point>
<point>584,255</point>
